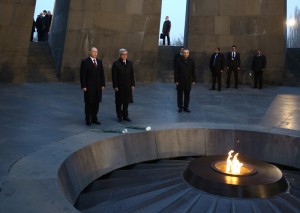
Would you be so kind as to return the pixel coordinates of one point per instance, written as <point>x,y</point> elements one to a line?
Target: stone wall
<point>58,31</point>
<point>16,19</point>
<point>248,24</point>
<point>134,24</point>
<point>110,25</point>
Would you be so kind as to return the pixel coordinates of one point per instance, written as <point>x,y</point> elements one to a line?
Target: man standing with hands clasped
<point>233,62</point>
<point>184,77</point>
<point>216,65</point>
<point>258,65</point>
<point>123,83</point>
<point>92,83</point>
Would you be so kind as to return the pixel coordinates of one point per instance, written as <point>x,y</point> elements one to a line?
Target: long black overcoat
<point>258,63</point>
<point>123,78</point>
<point>93,79</point>
<point>185,73</point>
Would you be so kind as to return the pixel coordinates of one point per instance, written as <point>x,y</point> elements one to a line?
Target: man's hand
<point>102,88</point>
<point>132,87</point>
<point>84,89</point>
<point>116,89</point>
<point>177,83</point>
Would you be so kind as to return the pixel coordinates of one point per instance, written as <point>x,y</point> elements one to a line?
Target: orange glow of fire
<point>233,165</point>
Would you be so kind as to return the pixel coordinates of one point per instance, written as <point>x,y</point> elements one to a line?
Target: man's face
<point>124,55</point>
<point>216,50</point>
<point>186,53</point>
<point>258,52</point>
<point>233,49</point>
<point>94,52</point>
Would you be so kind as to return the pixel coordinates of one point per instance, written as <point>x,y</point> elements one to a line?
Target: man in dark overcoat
<point>216,65</point>
<point>166,30</point>
<point>123,83</point>
<point>184,77</point>
<point>39,27</point>
<point>233,62</point>
<point>258,65</point>
<point>92,83</point>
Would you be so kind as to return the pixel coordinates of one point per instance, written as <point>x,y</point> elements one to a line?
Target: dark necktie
<point>94,62</point>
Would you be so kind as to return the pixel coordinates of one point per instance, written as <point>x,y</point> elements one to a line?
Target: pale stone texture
<point>14,39</point>
<point>248,24</point>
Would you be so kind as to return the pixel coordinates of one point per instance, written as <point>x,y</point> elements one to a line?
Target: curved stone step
<point>158,186</point>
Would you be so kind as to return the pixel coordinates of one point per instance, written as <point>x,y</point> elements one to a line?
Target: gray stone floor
<point>34,116</point>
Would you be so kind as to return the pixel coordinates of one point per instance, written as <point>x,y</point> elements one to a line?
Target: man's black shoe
<point>212,89</point>
<point>127,119</point>
<point>119,119</point>
<point>179,110</point>
<point>96,122</point>
<point>187,110</point>
<point>88,123</point>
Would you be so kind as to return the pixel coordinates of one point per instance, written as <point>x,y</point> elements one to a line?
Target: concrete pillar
<point>16,19</point>
<point>110,25</point>
<point>248,24</point>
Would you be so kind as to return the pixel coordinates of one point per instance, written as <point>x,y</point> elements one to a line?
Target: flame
<point>233,166</point>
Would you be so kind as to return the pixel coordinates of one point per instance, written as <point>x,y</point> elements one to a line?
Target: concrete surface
<point>43,125</point>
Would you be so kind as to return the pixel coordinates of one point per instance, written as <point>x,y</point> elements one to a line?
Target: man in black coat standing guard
<point>92,83</point>
<point>233,62</point>
<point>166,30</point>
<point>216,65</point>
<point>123,83</point>
<point>258,65</point>
<point>184,77</point>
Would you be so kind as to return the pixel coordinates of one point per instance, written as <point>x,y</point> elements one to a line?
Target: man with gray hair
<point>184,78</point>
<point>123,83</point>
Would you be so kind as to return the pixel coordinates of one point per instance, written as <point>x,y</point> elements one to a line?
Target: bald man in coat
<point>92,83</point>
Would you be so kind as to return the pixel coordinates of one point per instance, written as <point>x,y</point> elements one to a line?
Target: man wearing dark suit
<point>184,77</point>
<point>258,65</point>
<point>166,30</point>
<point>233,62</point>
<point>216,65</point>
<point>177,56</point>
<point>39,27</point>
<point>123,80</point>
<point>92,83</point>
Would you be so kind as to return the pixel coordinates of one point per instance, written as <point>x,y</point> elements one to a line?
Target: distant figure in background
<point>50,18</point>
<point>258,65</point>
<point>166,30</point>
<point>177,56</point>
<point>216,65</point>
<point>92,83</point>
<point>32,30</point>
<point>233,62</point>
<point>39,27</point>
<point>184,77</point>
<point>123,80</point>
<point>46,25</point>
